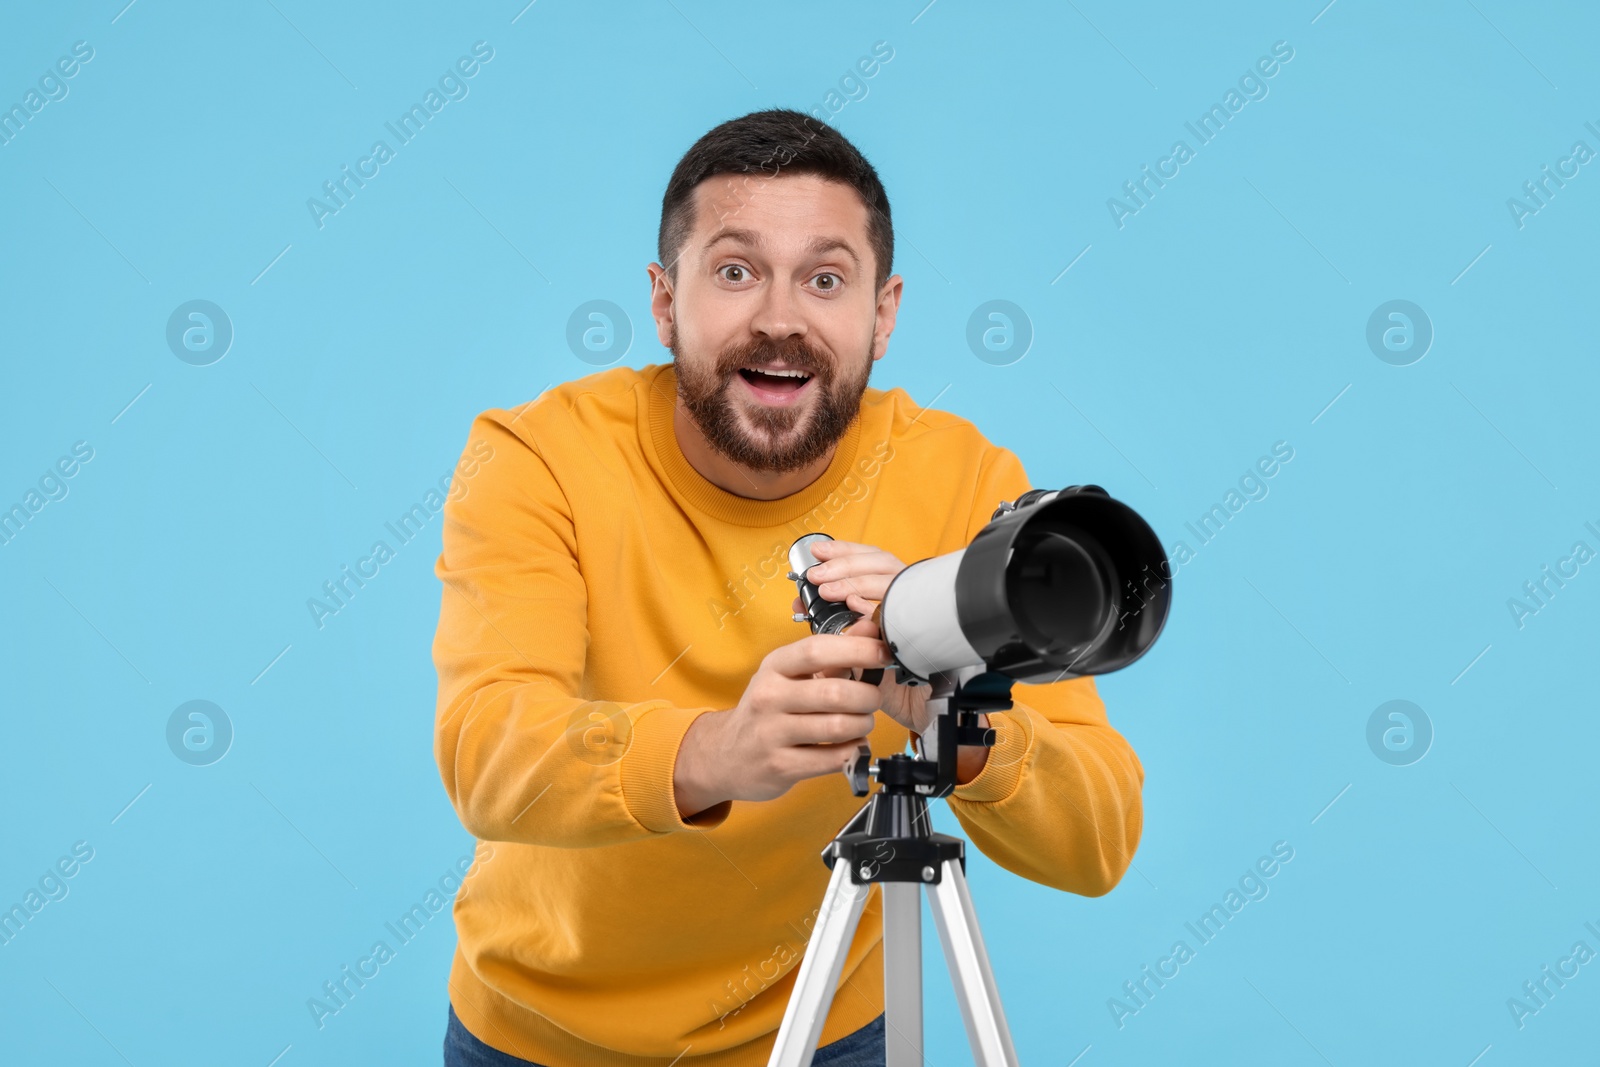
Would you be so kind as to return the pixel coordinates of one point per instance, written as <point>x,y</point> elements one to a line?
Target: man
<point>628,717</point>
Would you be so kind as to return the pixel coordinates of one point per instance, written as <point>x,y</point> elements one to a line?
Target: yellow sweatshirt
<point>599,594</point>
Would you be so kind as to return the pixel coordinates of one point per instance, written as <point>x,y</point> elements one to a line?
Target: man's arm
<point>1059,799</point>
<point>523,756</point>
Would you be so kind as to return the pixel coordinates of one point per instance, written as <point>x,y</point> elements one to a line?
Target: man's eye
<point>827,282</point>
<point>737,274</point>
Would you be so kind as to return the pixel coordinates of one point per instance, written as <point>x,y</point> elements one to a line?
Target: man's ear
<point>662,308</point>
<point>888,308</point>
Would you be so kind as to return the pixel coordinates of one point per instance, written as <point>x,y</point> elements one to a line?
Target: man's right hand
<point>801,716</point>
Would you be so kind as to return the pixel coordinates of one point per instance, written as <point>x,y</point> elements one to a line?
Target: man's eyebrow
<point>818,246</point>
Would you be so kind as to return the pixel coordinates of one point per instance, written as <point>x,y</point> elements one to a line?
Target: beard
<point>777,440</point>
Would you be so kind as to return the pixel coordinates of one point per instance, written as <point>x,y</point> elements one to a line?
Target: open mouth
<point>775,385</point>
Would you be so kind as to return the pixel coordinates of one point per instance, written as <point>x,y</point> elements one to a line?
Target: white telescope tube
<point>918,618</point>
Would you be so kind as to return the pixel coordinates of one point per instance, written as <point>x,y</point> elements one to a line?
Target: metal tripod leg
<point>969,969</point>
<point>819,970</point>
<point>902,973</point>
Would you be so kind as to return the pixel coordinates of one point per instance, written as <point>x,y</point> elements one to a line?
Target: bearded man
<point>627,719</point>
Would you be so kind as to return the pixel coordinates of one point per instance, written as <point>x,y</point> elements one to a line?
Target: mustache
<point>796,354</point>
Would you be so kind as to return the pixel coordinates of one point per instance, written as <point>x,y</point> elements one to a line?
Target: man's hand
<point>801,716</point>
<point>859,575</point>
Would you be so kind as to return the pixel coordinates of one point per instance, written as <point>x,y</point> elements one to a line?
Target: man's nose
<point>779,314</point>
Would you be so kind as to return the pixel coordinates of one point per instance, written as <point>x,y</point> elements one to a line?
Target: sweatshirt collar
<point>661,385</point>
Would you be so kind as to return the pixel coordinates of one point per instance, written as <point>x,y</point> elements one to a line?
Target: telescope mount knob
<point>859,771</point>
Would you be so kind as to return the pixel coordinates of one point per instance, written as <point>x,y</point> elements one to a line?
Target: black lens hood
<point>1120,580</point>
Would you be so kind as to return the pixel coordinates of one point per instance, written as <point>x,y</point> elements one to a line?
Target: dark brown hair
<point>766,144</point>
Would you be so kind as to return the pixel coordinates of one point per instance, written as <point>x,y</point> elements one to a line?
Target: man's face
<point>774,321</point>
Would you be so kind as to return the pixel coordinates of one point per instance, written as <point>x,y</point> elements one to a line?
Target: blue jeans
<point>864,1048</point>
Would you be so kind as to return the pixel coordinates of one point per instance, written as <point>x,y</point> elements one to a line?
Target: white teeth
<point>780,373</point>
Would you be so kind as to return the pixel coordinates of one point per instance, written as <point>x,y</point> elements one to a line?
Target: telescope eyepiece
<point>824,616</point>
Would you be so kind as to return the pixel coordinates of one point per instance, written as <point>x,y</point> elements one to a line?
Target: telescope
<point>1060,583</point>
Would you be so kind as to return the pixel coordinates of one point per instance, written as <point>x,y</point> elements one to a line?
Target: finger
<point>880,565</point>
<point>806,697</point>
<point>867,561</point>
<point>861,605</point>
<point>866,587</point>
<point>798,605</point>
<point>819,652</point>
<point>865,626</point>
<point>814,761</point>
<point>831,729</point>
<point>831,549</point>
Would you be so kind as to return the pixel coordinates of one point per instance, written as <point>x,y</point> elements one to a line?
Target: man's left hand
<point>859,575</point>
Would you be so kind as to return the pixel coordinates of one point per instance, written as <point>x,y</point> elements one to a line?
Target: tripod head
<point>891,839</point>
<point>956,701</point>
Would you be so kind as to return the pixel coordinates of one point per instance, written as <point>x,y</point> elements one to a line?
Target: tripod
<point>890,842</point>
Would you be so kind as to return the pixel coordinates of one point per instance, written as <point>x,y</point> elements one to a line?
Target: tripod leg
<point>819,970</point>
<point>902,973</point>
<point>969,970</point>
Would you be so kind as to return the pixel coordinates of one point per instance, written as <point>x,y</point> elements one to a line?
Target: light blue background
<point>1224,316</point>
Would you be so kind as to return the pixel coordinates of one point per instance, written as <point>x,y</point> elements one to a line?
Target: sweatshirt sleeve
<point>526,756</point>
<point>1059,799</point>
